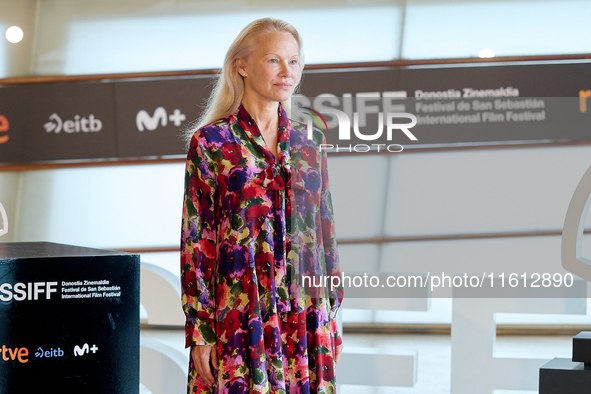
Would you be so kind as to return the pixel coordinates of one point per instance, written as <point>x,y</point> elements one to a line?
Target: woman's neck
<point>265,114</point>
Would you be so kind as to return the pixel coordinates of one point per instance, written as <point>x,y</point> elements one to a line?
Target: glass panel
<point>586,249</point>
<point>498,255</point>
<point>87,44</point>
<point>438,313</point>
<point>357,316</point>
<point>103,207</point>
<point>170,261</point>
<point>358,187</point>
<point>459,29</point>
<point>539,254</point>
<point>483,191</point>
<point>3,52</point>
<point>360,258</point>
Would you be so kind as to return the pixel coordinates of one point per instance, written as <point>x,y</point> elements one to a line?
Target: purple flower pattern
<point>252,226</point>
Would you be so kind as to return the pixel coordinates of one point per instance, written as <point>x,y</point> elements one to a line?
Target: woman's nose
<point>285,70</point>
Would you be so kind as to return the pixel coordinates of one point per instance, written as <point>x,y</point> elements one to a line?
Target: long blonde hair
<point>228,89</point>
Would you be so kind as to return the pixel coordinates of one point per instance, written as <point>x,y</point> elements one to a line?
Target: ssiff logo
<point>3,128</point>
<point>144,121</point>
<point>30,291</point>
<point>583,96</point>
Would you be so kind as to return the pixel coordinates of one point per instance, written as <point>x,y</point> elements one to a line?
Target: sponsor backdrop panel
<point>536,80</point>
<point>74,319</point>
<point>458,105</point>
<point>339,82</point>
<point>14,113</point>
<point>150,114</point>
<point>446,122</point>
<point>71,121</point>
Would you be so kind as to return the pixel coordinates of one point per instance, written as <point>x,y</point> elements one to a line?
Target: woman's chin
<point>284,97</point>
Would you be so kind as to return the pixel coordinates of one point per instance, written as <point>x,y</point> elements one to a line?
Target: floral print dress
<point>253,226</point>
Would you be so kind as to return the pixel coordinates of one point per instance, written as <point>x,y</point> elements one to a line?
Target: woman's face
<point>272,70</point>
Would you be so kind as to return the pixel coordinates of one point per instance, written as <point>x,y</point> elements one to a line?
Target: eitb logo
<point>369,121</point>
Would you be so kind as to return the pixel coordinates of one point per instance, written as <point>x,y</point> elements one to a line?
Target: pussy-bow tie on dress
<point>281,177</point>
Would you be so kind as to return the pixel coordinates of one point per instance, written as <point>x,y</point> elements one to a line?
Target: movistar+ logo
<point>144,121</point>
<point>81,351</point>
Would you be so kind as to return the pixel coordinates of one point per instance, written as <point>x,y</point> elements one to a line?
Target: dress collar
<point>251,129</point>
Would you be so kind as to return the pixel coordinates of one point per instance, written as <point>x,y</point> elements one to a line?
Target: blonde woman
<point>257,214</point>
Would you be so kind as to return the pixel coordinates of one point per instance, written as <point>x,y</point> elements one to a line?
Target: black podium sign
<point>69,319</point>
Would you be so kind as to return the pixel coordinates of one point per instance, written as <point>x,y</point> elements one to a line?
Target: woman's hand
<point>337,353</point>
<point>202,356</point>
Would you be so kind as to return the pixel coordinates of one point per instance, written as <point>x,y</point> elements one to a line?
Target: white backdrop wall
<point>135,35</point>
<point>447,193</point>
<point>113,36</point>
<point>16,59</point>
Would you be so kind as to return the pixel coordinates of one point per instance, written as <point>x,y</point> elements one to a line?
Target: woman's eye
<point>273,60</point>
<point>294,62</point>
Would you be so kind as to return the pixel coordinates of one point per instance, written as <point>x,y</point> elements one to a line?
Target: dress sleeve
<point>329,240</point>
<point>198,245</point>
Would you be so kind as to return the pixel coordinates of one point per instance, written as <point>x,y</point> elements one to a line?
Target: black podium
<point>69,319</point>
<point>572,376</point>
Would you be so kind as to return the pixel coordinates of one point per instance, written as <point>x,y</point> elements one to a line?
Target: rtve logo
<point>20,354</point>
<point>583,96</point>
<point>3,128</point>
<point>144,121</point>
<point>80,123</point>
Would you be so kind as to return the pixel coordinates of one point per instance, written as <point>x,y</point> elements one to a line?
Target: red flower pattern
<point>235,246</point>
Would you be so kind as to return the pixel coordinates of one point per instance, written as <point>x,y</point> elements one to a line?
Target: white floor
<point>434,360</point>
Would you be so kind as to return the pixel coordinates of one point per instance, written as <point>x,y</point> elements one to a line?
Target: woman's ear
<point>241,67</point>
